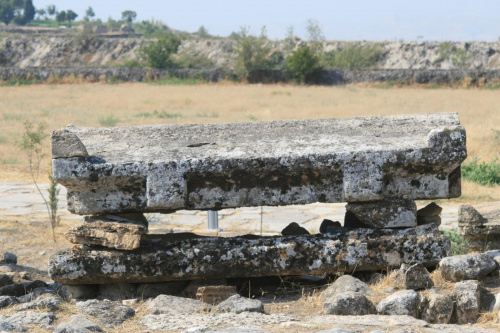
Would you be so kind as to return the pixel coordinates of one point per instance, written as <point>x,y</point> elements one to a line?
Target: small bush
<point>108,121</point>
<point>482,173</point>
<point>303,64</point>
<point>130,63</point>
<point>251,53</point>
<point>157,53</point>
<point>187,60</point>
<point>353,57</point>
<point>459,245</point>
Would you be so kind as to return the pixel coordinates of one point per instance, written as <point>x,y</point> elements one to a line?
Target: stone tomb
<point>378,165</point>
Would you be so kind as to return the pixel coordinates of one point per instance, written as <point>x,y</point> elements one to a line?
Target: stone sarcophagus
<point>213,166</point>
<point>378,165</point>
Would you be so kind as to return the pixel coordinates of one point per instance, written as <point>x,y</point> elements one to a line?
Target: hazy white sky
<point>460,20</point>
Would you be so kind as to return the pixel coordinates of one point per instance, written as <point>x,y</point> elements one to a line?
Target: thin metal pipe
<point>213,219</point>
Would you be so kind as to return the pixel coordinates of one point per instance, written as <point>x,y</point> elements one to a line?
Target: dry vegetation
<point>140,103</point>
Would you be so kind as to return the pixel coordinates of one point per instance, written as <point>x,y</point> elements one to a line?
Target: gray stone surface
<point>348,303</point>
<point>467,298</point>
<point>188,256</point>
<point>5,280</point>
<point>173,305</point>
<point>109,313</point>
<point>369,321</point>
<point>437,308</point>
<point>51,303</point>
<point>30,318</point>
<point>481,226</point>
<point>6,301</point>
<point>414,277</point>
<point>8,327</point>
<point>346,283</point>
<point>404,302</point>
<point>239,304</point>
<point>78,324</point>
<point>388,213</point>
<point>148,290</point>
<point>21,289</point>
<point>122,232</point>
<point>467,267</point>
<point>212,166</point>
<point>10,258</point>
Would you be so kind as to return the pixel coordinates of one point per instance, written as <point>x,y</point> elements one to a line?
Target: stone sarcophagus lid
<point>165,168</point>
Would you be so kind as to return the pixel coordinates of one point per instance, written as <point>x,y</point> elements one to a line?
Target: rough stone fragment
<point>31,318</point>
<point>393,213</point>
<point>67,144</point>
<point>467,297</point>
<point>6,301</point>
<point>5,280</point>
<point>173,305</point>
<point>294,229</point>
<point>404,302</point>
<point>51,303</point>
<point>216,257</point>
<point>148,290</point>
<point>78,324</point>
<point>117,291</point>
<point>8,327</point>
<point>10,258</point>
<point>239,304</point>
<point>215,294</point>
<point>414,277</point>
<point>21,289</point>
<point>122,232</point>
<point>109,313</point>
<point>323,228</point>
<point>481,226</point>
<point>212,166</point>
<point>437,308</point>
<point>466,267</point>
<point>348,303</point>
<point>429,214</point>
<point>494,305</point>
<point>351,221</point>
<point>346,283</point>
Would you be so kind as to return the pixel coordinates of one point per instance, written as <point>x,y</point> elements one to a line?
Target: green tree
<point>61,17</point>
<point>203,33</point>
<point>89,14</point>
<point>129,16</point>
<point>51,10</point>
<point>17,11</point>
<point>42,14</point>
<point>28,11</point>
<point>157,53</point>
<point>251,53</point>
<point>314,31</point>
<point>70,16</point>
<point>303,64</point>
<point>7,11</point>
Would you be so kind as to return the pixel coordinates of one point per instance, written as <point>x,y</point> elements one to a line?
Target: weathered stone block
<point>467,297</point>
<point>213,166</point>
<point>393,213</point>
<point>467,267</point>
<point>481,227</point>
<point>122,232</point>
<point>429,214</point>
<point>163,258</point>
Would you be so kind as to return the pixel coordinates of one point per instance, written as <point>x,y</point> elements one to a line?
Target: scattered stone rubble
<point>480,228</point>
<point>115,258</point>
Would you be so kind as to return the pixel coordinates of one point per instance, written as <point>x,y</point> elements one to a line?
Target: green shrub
<point>482,173</point>
<point>130,63</point>
<point>187,60</point>
<point>108,121</point>
<point>444,52</point>
<point>251,53</point>
<point>353,57</point>
<point>157,53</point>
<point>303,64</point>
<point>459,245</point>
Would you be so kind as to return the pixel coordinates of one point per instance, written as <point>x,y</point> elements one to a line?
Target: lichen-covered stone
<point>346,283</point>
<point>163,258</point>
<point>414,277</point>
<point>122,232</point>
<point>239,304</point>
<point>349,303</point>
<point>480,227</point>
<point>467,298</point>
<point>109,313</point>
<point>212,166</point>
<point>429,214</point>
<point>404,302</point>
<point>467,267</point>
<point>437,308</point>
<point>389,213</point>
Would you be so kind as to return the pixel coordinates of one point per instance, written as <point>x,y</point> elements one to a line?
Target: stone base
<point>388,213</point>
<point>481,227</point>
<point>187,257</point>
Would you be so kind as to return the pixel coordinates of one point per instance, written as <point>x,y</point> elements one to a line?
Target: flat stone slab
<point>166,168</point>
<point>188,256</point>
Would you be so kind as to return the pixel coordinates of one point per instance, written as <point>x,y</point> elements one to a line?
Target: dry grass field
<point>129,104</point>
